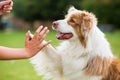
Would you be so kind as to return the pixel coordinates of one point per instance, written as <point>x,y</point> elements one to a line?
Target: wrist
<point>27,53</point>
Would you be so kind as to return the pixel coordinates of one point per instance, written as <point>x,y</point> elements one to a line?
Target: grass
<point>18,69</point>
<point>22,69</point>
<point>114,40</point>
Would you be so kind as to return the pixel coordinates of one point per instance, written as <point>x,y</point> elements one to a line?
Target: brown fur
<point>109,70</point>
<point>114,71</point>
<point>97,66</point>
<point>82,23</point>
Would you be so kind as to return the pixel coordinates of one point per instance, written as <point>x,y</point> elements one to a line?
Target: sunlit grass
<point>18,69</point>
<point>22,69</point>
<point>114,39</point>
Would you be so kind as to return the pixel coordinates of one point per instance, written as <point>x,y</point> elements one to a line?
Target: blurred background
<point>30,14</point>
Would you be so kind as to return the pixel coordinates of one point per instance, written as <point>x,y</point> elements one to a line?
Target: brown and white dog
<point>84,54</point>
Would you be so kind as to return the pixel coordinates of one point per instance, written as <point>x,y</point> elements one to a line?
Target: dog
<point>84,54</point>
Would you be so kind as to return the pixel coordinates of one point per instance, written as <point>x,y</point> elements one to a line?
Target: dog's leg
<point>48,63</point>
<point>51,52</point>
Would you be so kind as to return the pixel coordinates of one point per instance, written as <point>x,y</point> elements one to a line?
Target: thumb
<point>27,37</point>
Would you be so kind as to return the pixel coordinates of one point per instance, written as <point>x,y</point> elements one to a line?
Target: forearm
<point>32,46</point>
<point>13,53</point>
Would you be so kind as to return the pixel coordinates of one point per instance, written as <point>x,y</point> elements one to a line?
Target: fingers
<point>27,38</point>
<point>40,35</point>
<point>5,10</point>
<point>7,2</point>
<point>45,44</point>
<point>44,31</point>
<point>39,29</point>
<point>7,7</point>
<point>41,32</point>
<point>11,3</point>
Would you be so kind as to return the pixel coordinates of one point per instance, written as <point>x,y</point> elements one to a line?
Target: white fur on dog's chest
<point>73,62</point>
<point>71,56</point>
<point>73,69</point>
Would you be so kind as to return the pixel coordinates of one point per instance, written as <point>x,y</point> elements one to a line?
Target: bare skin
<point>32,46</point>
<point>5,6</point>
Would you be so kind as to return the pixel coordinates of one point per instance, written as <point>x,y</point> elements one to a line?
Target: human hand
<point>34,45</point>
<point>5,6</point>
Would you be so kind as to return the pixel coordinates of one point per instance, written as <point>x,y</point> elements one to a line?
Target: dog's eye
<point>72,20</point>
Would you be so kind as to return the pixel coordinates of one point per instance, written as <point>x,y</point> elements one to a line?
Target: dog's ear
<point>88,21</point>
<point>86,24</point>
<point>72,8</point>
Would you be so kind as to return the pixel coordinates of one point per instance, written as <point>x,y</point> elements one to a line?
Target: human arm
<point>12,53</point>
<point>32,46</point>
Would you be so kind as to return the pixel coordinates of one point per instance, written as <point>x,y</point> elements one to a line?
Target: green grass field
<point>22,69</point>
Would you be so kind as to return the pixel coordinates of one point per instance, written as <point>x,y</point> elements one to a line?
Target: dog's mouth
<point>64,36</point>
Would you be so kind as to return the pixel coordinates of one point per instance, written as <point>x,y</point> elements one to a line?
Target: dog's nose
<point>55,24</point>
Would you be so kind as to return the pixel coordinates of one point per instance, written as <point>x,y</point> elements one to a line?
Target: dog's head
<point>77,24</point>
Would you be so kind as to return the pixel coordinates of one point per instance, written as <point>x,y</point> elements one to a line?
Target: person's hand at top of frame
<point>34,44</point>
<point>5,6</point>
